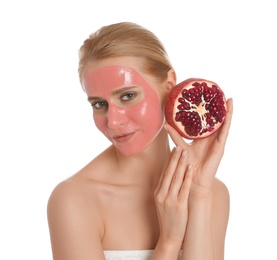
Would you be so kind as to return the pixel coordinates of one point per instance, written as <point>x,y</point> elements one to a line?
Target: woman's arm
<point>171,196</point>
<point>75,231</point>
<point>207,224</point>
<point>198,243</point>
<point>209,199</point>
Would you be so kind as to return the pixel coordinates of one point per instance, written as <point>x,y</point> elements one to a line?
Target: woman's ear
<point>171,79</point>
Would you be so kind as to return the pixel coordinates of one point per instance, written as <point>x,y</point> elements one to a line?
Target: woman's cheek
<point>149,119</point>
<point>101,124</point>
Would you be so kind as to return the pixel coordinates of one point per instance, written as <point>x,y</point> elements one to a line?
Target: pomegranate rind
<point>171,109</point>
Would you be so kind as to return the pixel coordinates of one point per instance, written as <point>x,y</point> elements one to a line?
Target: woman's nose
<point>116,116</point>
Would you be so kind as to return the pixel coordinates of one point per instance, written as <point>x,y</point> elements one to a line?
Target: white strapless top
<point>129,254</point>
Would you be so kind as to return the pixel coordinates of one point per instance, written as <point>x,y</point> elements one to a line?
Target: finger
<point>227,122</point>
<point>185,188</point>
<point>179,175</point>
<point>170,170</point>
<point>176,137</point>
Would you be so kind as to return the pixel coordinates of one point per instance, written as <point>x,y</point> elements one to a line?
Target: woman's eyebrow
<point>93,98</point>
<point>114,92</point>
<point>121,90</point>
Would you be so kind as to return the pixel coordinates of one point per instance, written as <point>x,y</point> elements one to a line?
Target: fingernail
<point>177,148</point>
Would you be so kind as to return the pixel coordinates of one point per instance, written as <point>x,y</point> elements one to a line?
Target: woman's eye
<point>99,104</point>
<point>128,96</point>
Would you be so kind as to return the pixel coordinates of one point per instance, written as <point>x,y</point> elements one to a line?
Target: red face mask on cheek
<point>130,125</point>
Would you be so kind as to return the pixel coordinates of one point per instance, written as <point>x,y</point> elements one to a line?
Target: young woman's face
<point>126,109</point>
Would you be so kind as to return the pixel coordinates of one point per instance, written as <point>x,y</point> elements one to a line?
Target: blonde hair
<point>125,39</point>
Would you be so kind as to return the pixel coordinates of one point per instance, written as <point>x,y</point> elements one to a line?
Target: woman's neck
<point>147,166</point>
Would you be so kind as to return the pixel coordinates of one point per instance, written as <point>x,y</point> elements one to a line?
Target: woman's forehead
<point>125,61</point>
<point>106,79</point>
<point>116,75</point>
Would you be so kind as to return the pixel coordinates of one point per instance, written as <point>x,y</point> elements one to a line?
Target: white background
<point>47,132</point>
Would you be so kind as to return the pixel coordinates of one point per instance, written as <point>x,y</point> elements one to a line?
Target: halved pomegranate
<point>196,108</point>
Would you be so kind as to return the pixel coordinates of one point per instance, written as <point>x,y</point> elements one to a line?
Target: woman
<point>138,199</point>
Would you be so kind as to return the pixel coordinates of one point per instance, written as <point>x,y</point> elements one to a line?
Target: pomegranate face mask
<point>126,109</point>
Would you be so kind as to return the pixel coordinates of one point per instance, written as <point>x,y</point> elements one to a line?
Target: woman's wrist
<point>200,195</point>
<point>167,249</point>
<point>200,202</point>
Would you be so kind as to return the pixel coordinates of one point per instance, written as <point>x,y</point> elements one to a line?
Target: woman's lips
<point>123,137</point>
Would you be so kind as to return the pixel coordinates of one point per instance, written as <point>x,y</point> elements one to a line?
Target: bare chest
<point>130,221</point>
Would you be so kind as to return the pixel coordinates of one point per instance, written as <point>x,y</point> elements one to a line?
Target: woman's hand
<point>171,197</point>
<point>205,154</point>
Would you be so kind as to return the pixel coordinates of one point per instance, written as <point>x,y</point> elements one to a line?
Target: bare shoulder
<point>220,193</point>
<point>79,193</point>
<point>221,202</point>
<point>75,198</point>
<point>220,215</point>
<point>73,212</point>
<point>71,194</point>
